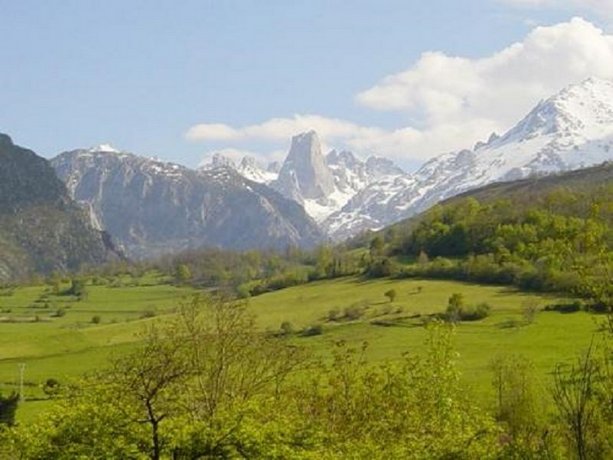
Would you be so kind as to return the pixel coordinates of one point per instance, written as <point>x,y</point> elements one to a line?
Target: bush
<point>529,312</point>
<point>96,319</point>
<point>8,407</point>
<point>334,315</point>
<point>148,314</point>
<point>310,331</point>
<point>570,307</point>
<point>457,311</point>
<point>51,387</point>
<point>381,267</point>
<point>354,312</point>
<point>475,313</point>
<point>391,295</point>
<point>286,328</point>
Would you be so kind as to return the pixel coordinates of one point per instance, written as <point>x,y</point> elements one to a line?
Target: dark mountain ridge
<point>41,228</point>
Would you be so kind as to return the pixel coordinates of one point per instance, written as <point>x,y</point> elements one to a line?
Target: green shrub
<point>391,294</point>
<point>310,331</point>
<point>286,328</point>
<point>150,313</point>
<point>475,313</point>
<point>333,315</point>
<point>354,312</point>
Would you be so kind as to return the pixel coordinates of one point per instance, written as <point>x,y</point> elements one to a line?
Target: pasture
<point>109,318</point>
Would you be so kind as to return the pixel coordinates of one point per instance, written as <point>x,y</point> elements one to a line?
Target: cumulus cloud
<point>278,129</point>
<point>500,87</point>
<point>455,100</point>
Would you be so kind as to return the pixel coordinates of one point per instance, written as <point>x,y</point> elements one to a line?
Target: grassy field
<point>81,338</point>
<point>64,347</point>
<point>550,338</point>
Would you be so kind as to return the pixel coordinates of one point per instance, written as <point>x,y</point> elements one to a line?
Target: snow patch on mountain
<point>103,148</point>
<point>571,130</point>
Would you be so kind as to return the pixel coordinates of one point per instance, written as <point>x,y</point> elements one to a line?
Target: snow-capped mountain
<point>321,184</point>
<point>248,168</point>
<point>570,130</point>
<point>151,207</point>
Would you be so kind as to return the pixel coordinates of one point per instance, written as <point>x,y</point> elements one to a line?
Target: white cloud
<point>500,87</point>
<point>277,129</point>
<point>455,100</point>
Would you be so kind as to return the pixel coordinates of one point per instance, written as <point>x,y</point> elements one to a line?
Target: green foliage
<point>253,272</point>
<point>286,328</point>
<point>412,409</point>
<point>521,408</point>
<point>391,294</point>
<point>582,395</point>
<point>454,307</point>
<point>376,247</point>
<point>183,274</point>
<point>8,407</point>
<point>381,267</point>
<point>558,241</point>
<point>78,288</point>
<point>52,387</point>
<point>458,311</point>
<point>207,383</point>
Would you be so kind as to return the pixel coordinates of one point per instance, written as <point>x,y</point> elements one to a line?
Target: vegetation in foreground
<point>208,384</point>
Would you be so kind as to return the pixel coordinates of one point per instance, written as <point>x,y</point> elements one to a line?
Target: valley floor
<point>108,320</point>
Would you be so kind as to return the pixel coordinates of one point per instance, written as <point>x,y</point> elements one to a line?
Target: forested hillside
<point>552,234</point>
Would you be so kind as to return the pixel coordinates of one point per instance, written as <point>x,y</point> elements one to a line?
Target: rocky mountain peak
<point>273,167</point>
<point>304,174</point>
<point>379,167</point>
<point>248,162</point>
<point>343,158</point>
<point>219,160</point>
<point>579,111</point>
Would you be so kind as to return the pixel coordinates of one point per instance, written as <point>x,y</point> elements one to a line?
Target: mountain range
<point>153,207</point>
<point>150,207</point>
<point>570,130</point>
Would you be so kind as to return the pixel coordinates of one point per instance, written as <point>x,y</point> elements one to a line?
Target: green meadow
<point>550,338</point>
<point>81,338</point>
<point>70,344</point>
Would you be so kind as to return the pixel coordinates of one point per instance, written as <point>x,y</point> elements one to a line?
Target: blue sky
<point>181,79</point>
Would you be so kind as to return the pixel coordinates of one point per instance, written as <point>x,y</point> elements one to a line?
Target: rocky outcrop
<point>304,174</point>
